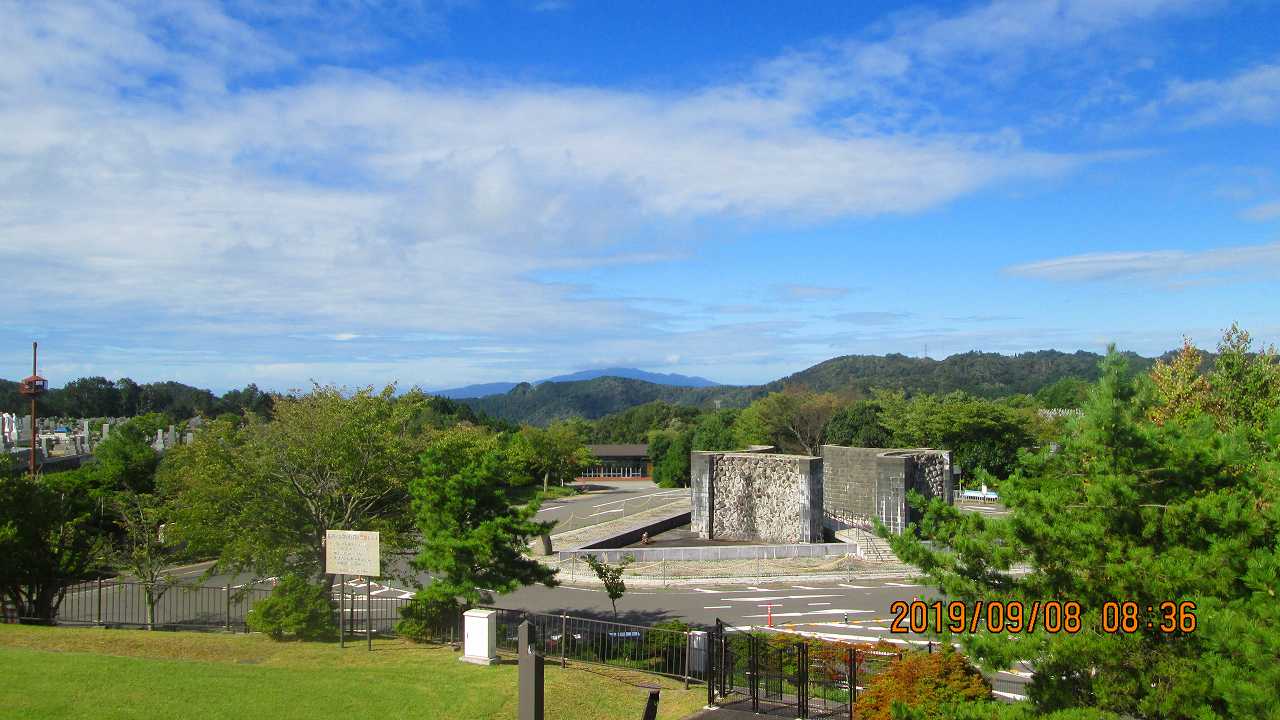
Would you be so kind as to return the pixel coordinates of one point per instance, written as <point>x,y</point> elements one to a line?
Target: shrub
<point>295,608</point>
<point>924,682</point>
<point>427,618</point>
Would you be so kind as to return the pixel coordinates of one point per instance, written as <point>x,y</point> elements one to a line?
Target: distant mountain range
<point>498,388</point>
<point>978,373</point>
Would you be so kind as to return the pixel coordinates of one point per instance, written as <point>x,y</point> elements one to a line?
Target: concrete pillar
<point>480,637</point>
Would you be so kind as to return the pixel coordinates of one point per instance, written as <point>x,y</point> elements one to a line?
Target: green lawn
<point>85,672</point>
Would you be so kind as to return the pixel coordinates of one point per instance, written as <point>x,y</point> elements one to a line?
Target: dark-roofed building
<point>630,462</point>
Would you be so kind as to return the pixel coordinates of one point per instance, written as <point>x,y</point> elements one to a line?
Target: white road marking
<point>717,607</point>
<point>804,587</point>
<point>855,587</point>
<point>894,584</point>
<point>812,604</point>
<point>605,512</point>
<point>777,597</point>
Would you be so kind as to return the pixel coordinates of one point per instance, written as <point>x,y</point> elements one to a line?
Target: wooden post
<point>530,705</point>
<point>651,706</point>
<point>342,611</point>
<point>226,591</point>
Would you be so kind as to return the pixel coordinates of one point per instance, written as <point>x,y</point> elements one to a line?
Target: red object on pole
<point>770,613</point>
<point>33,387</point>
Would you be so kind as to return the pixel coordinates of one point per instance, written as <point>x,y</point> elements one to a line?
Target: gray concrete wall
<point>723,552</point>
<point>866,484</point>
<point>757,496</point>
<point>700,492</point>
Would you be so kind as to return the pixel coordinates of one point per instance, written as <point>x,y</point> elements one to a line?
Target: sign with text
<point>351,552</point>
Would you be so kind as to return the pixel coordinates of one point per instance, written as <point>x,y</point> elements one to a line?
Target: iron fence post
<point>98,619</point>
<point>226,590</point>
<point>709,670</point>
<point>564,637</point>
<point>753,668</point>
<point>802,678</point>
<point>851,677</point>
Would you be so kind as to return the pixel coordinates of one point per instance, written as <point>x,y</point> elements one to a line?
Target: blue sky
<point>440,193</point>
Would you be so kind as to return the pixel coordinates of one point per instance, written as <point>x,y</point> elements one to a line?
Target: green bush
<point>427,618</point>
<point>295,608</point>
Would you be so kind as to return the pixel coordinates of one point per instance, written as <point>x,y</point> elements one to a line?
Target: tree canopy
<point>1183,509</point>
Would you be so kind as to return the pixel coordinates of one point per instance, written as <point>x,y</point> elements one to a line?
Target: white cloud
<point>174,186</point>
<point>1251,96</point>
<point>1262,212</point>
<point>872,317</point>
<point>809,293</point>
<point>1154,265</point>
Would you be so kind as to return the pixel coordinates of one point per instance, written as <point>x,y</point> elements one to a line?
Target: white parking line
<point>717,607</point>
<point>812,604</point>
<point>777,597</point>
<point>855,587</point>
<point>894,584</point>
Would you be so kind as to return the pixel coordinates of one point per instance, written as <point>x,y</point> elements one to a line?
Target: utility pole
<point>33,387</point>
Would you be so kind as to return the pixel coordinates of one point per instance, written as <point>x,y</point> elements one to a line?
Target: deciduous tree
<point>260,495</point>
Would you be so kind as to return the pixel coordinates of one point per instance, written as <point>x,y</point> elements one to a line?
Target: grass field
<point>87,672</point>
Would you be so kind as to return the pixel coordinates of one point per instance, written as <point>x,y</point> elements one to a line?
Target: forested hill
<point>985,374</point>
<point>590,399</point>
<point>978,373</point>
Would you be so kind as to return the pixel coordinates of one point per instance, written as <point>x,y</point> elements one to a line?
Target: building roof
<point>640,450</point>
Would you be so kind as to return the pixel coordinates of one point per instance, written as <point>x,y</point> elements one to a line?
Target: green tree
<point>858,425</point>
<point>669,452</point>
<point>126,460</point>
<point>611,577</point>
<point>91,397</point>
<point>714,431</point>
<point>796,419</point>
<point>142,548</point>
<point>1130,510</point>
<point>48,540</point>
<point>982,434</point>
<point>473,538</point>
<point>260,495</point>
<point>1066,393</point>
<point>552,453</point>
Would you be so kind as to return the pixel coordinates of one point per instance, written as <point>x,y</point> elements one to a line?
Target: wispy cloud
<point>1263,212</point>
<point>872,318</point>
<point>809,293</point>
<point>1252,96</point>
<point>1154,265</point>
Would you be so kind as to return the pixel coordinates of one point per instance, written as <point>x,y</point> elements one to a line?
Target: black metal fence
<point>111,603</point>
<point>802,677</point>
<point>187,607</point>
<point>661,651</point>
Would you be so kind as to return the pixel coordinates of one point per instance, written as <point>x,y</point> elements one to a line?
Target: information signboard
<point>352,552</point>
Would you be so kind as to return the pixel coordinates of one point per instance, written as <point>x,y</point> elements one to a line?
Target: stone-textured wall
<point>757,496</point>
<point>932,474</point>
